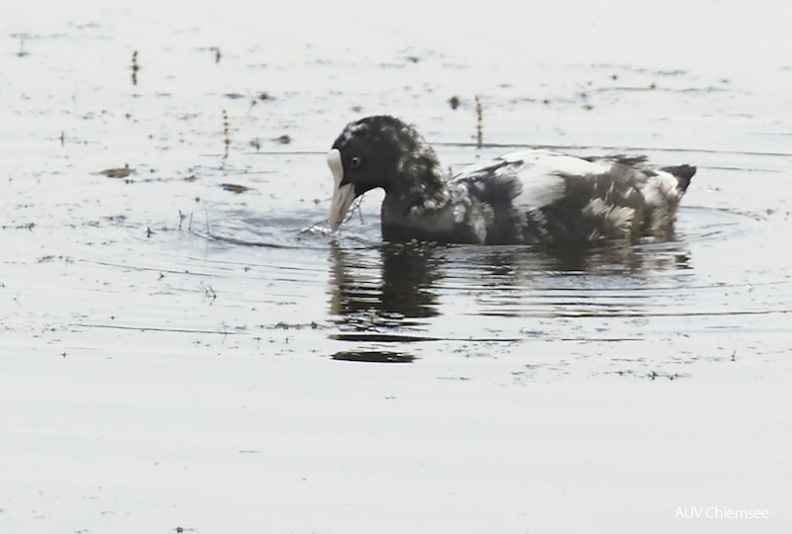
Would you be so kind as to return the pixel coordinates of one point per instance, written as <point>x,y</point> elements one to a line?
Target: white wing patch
<point>540,187</point>
<point>552,161</point>
<point>557,162</point>
<point>540,175</point>
<point>538,172</point>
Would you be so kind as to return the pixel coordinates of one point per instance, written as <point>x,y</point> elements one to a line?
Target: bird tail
<point>683,174</point>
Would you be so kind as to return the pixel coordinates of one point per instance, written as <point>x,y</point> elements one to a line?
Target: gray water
<point>164,318</point>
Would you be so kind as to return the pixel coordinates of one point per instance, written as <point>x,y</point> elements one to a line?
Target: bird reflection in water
<point>378,292</point>
<point>388,286</point>
<point>384,297</point>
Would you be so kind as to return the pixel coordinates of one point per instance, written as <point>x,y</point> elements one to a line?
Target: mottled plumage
<point>533,196</point>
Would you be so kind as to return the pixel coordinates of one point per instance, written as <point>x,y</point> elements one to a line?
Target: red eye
<point>355,162</point>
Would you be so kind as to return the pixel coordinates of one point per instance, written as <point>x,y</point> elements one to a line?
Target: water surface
<point>183,347</point>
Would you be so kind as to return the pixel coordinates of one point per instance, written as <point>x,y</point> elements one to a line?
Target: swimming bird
<point>534,196</point>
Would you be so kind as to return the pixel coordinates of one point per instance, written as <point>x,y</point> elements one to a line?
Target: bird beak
<point>343,195</point>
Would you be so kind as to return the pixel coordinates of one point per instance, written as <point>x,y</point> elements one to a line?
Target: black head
<point>373,148</point>
<point>377,151</point>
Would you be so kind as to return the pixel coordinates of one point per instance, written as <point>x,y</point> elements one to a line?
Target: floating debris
<point>210,294</point>
<point>22,52</point>
<point>135,67</point>
<point>27,226</point>
<point>313,325</point>
<point>217,53</point>
<point>479,123</point>
<point>235,188</point>
<point>373,356</point>
<point>226,134</point>
<point>118,172</point>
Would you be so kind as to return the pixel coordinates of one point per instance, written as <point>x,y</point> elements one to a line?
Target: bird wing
<point>527,180</point>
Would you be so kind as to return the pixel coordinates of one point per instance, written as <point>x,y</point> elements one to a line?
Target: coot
<point>533,196</point>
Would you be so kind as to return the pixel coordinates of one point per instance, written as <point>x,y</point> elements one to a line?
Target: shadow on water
<point>389,294</point>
